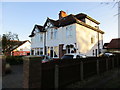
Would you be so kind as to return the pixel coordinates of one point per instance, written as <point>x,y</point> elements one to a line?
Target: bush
<point>14,60</point>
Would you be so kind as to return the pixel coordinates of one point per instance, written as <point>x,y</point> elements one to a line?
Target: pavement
<point>13,79</point>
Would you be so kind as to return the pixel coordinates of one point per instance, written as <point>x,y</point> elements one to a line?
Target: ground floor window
<point>56,51</point>
<point>53,51</point>
<point>70,49</point>
<point>32,52</point>
<point>37,51</point>
<point>41,51</point>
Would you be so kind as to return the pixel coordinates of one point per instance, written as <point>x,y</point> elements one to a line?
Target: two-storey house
<point>69,34</point>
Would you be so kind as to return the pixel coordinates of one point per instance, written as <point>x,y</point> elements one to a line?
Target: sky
<point>20,17</point>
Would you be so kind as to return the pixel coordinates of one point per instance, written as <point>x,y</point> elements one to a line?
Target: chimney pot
<point>62,14</point>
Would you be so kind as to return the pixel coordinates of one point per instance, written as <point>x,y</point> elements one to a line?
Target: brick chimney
<point>62,14</point>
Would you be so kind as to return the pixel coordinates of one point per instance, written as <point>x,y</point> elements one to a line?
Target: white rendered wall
<point>36,42</point>
<point>83,36</point>
<point>61,36</point>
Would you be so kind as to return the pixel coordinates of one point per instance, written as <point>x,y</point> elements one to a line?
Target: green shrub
<point>14,60</point>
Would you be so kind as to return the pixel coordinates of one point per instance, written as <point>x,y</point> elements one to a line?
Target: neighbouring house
<point>113,46</point>
<point>21,48</point>
<point>69,34</point>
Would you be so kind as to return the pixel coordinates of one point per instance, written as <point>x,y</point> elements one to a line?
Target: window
<point>55,34</point>
<point>38,51</point>
<point>69,31</point>
<point>51,34</point>
<point>56,52</point>
<point>48,35</point>
<point>92,39</point>
<point>48,51</point>
<point>41,51</point>
<point>68,48</point>
<point>32,52</point>
<point>41,37</point>
<point>51,52</point>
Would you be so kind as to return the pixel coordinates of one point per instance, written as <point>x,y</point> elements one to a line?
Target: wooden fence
<point>59,73</point>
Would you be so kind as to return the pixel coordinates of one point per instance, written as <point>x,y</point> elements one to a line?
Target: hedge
<point>14,60</point>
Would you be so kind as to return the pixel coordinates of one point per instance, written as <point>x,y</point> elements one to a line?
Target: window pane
<point>56,51</point>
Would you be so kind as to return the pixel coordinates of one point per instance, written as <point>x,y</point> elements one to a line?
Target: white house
<point>69,34</point>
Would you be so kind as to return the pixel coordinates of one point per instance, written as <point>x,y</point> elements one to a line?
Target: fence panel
<point>115,62</point>
<point>69,72</point>
<point>110,63</point>
<point>102,64</point>
<point>89,67</point>
<point>48,75</point>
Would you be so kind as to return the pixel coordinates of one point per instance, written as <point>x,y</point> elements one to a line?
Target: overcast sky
<point>20,17</point>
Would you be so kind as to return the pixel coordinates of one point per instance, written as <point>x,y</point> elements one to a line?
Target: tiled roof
<point>70,19</point>
<point>40,28</point>
<point>114,44</point>
<point>16,44</point>
<point>105,45</point>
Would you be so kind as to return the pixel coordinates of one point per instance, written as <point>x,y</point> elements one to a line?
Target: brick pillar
<point>32,72</point>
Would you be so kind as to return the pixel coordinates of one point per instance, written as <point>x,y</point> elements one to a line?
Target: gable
<point>48,25</point>
<point>36,29</point>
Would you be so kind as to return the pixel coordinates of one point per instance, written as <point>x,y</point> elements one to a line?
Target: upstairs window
<point>48,35</point>
<point>41,37</point>
<point>51,34</point>
<point>92,39</point>
<point>55,34</point>
<point>69,31</point>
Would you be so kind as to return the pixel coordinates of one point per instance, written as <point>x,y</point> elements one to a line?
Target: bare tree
<point>8,42</point>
